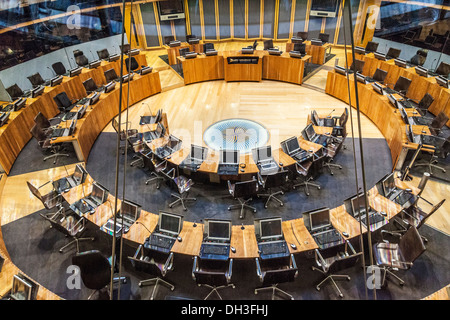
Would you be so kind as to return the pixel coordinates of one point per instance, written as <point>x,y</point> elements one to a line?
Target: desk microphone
<point>54,73</point>
<point>73,61</point>
<point>137,222</point>
<point>66,170</point>
<point>148,107</point>
<point>432,64</point>
<point>331,113</point>
<point>92,55</point>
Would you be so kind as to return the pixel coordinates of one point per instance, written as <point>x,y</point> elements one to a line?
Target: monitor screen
<point>219,230</point>
<point>170,7</point>
<point>310,131</point>
<point>319,219</point>
<point>79,174</point>
<point>292,145</point>
<point>264,153</point>
<point>229,156</point>
<point>324,5</point>
<point>358,205</point>
<point>198,153</point>
<point>388,184</point>
<point>270,228</point>
<point>99,193</point>
<point>130,210</point>
<point>169,222</point>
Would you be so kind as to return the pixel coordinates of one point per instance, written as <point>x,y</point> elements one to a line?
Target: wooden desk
<point>284,68</point>
<point>244,241</point>
<point>295,232</point>
<point>344,222</point>
<point>174,52</point>
<point>203,68</point>
<point>243,71</point>
<point>318,53</point>
<point>192,238</point>
<point>137,233</point>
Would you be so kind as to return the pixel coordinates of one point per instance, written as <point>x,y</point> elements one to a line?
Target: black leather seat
<point>80,58</point>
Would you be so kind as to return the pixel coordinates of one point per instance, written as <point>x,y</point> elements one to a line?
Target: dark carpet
<point>214,199</point>
<point>33,247</point>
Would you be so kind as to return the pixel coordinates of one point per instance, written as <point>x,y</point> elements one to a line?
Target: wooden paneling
<point>284,68</point>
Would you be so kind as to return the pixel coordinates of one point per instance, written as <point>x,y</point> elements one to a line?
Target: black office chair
<point>272,273</point>
<point>422,105</point>
<point>438,123</point>
<point>414,216</point>
<point>273,181</point>
<point>300,47</point>
<point>182,185</point>
<point>324,37</point>
<point>124,134</point>
<point>243,191</point>
<point>125,48</point>
<point>371,46</point>
<point>103,54</point>
<point>304,170</point>
<point>63,102</point>
<point>71,225</point>
<point>268,44</point>
<point>44,124</point>
<point>335,263</point>
<point>156,167</point>
<point>441,151</point>
<point>80,58</point>
<point>36,80</point>
<point>379,75</point>
<point>183,51</point>
<point>167,39</point>
<point>303,35</point>
<point>90,85</point>
<point>401,255</point>
<point>95,271</point>
<point>15,92</point>
<point>215,275</point>
<point>419,58</point>
<point>155,263</point>
<point>402,85</point>
<point>59,68</point>
<point>330,153</point>
<point>443,69</point>
<point>134,64</point>
<point>44,142</point>
<point>322,122</point>
<point>51,200</point>
<point>110,75</point>
<point>208,46</point>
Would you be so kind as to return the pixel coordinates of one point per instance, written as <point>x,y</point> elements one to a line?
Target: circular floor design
<point>236,134</point>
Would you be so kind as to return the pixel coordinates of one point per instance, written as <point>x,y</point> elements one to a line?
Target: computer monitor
<point>393,53</point>
<point>388,184</point>
<point>292,145</point>
<point>99,192</point>
<point>270,228</point>
<point>130,210</point>
<point>371,46</point>
<point>169,222</point>
<point>319,219</point>
<point>264,153</point>
<point>79,175</point>
<point>198,153</point>
<point>218,230</point>
<point>358,205</point>
<point>310,132</point>
<point>229,156</point>
<point>22,289</point>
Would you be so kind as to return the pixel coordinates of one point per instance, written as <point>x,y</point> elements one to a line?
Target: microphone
<point>92,55</point>
<point>52,71</point>
<point>148,107</point>
<point>432,64</point>
<point>330,113</point>
<point>66,170</point>
<point>137,222</point>
<point>73,61</point>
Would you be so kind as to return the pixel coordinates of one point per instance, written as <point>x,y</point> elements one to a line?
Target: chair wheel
<point>254,211</point>
<point>402,283</point>
<point>170,206</point>
<point>307,194</point>
<point>281,204</point>
<point>183,209</point>
<point>146,183</point>
<point>60,250</point>
<point>256,292</point>
<point>173,288</point>
<point>318,188</point>
<point>318,288</point>
<point>229,208</point>
<point>341,295</point>
<point>282,192</point>
<point>348,278</point>
<point>140,285</point>
<point>332,173</point>
<point>265,207</point>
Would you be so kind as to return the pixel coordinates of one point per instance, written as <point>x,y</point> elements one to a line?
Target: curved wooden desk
<point>318,53</point>
<point>16,133</point>
<point>270,67</point>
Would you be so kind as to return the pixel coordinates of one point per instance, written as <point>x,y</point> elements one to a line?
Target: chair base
<point>115,280</point>
<point>76,241</point>
<point>156,178</point>
<point>155,282</point>
<point>215,289</point>
<point>271,196</point>
<point>275,290</point>
<point>387,270</point>
<point>243,204</point>
<point>332,277</point>
<point>430,165</point>
<point>332,165</point>
<point>181,198</point>
<point>55,156</point>
<point>307,183</point>
<point>138,160</point>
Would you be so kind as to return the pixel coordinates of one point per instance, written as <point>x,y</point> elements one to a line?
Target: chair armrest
<point>230,187</point>
<point>351,247</point>
<point>320,260</point>
<point>411,216</point>
<point>422,198</point>
<point>260,179</point>
<point>258,270</point>
<point>169,264</point>
<point>81,221</point>
<point>297,164</point>
<point>293,265</point>
<point>45,184</point>
<point>230,271</point>
<point>171,171</point>
<point>194,267</point>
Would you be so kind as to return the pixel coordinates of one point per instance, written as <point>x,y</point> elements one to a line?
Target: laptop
<point>264,160</point>
<point>196,157</point>
<point>228,162</point>
<point>376,219</point>
<point>172,146</point>
<point>312,136</point>
<point>129,212</point>
<point>321,229</point>
<point>78,177</point>
<point>292,148</point>
<point>152,135</point>
<point>399,196</point>
<point>216,239</point>
<point>166,232</point>
<point>65,132</point>
<point>89,203</point>
<point>269,235</point>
